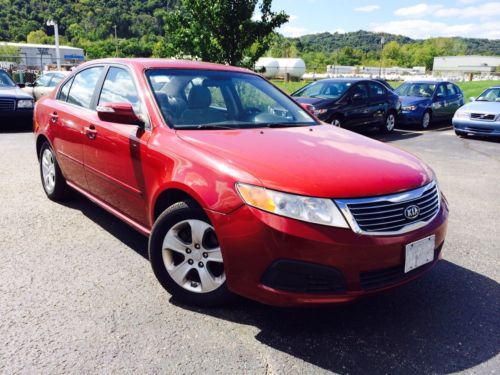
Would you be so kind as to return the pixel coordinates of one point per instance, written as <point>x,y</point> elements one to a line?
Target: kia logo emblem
<point>412,212</point>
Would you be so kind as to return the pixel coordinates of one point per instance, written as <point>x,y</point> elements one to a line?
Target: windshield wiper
<point>286,124</point>
<point>204,126</point>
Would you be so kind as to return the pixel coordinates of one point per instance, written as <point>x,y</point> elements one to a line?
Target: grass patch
<point>474,88</point>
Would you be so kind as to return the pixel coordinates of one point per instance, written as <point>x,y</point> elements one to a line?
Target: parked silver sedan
<point>44,84</point>
<point>481,116</point>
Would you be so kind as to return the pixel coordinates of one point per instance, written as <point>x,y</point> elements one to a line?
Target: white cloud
<point>417,10</point>
<point>367,8</point>
<point>293,31</point>
<point>421,29</point>
<point>339,30</point>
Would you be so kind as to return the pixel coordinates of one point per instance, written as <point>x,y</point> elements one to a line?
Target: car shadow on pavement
<point>445,322</point>
<point>16,126</point>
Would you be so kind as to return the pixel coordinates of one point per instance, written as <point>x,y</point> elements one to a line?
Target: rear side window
<point>83,87</point>
<point>376,89</point>
<point>63,93</point>
<point>119,87</point>
<point>451,89</point>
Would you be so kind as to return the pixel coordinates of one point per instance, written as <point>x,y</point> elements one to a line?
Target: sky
<point>416,19</point>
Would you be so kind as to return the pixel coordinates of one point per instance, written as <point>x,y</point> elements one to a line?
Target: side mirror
<point>21,85</point>
<point>120,113</point>
<point>356,97</point>
<point>308,107</point>
<point>472,99</point>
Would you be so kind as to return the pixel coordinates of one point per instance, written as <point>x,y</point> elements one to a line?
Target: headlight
<point>409,108</point>
<point>310,209</point>
<point>25,103</point>
<point>461,114</point>
<point>320,111</point>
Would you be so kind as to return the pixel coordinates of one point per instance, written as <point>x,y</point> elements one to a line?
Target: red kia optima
<point>240,190</point>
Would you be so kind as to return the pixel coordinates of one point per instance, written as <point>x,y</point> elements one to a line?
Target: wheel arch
<point>40,140</point>
<point>167,197</point>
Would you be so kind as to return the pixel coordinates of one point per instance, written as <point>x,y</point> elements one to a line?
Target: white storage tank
<point>268,66</point>
<point>294,67</point>
<point>279,67</point>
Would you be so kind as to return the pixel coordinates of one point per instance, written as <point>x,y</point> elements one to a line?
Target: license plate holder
<point>419,253</point>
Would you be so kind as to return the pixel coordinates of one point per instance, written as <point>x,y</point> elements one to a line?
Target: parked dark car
<point>351,103</point>
<point>425,102</point>
<point>15,105</point>
<point>481,116</point>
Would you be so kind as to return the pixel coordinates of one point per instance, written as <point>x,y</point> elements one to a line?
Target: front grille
<point>390,214</point>
<point>388,276</point>
<point>482,116</point>
<point>7,104</point>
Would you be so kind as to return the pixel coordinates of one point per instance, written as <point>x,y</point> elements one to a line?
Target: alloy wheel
<point>426,120</point>
<point>48,171</point>
<point>390,122</point>
<point>192,256</point>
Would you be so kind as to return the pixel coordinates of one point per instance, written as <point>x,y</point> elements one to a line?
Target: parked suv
<point>351,102</point>
<point>239,189</point>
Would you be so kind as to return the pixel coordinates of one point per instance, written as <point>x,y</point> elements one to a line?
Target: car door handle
<point>54,117</point>
<point>90,132</point>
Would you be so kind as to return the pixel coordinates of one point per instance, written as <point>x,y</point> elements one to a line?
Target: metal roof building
<point>40,55</point>
<point>458,66</point>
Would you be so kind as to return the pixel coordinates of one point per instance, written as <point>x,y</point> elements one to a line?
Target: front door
<point>114,153</point>
<point>357,111</point>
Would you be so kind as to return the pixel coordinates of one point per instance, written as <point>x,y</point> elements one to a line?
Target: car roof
<point>342,80</point>
<point>146,63</point>
<point>432,82</point>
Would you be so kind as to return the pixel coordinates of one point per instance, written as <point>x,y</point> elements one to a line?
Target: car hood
<point>482,107</point>
<point>320,161</point>
<point>414,100</point>
<point>13,92</point>
<point>317,102</point>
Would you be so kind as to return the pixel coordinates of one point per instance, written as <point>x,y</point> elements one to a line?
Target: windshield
<point>198,99</point>
<point>5,80</point>
<point>490,95</point>
<point>323,89</point>
<point>424,90</point>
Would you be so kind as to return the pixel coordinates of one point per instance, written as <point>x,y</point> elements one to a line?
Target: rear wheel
<point>53,181</point>
<point>186,257</point>
<point>389,123</point>
<point>426,120</point>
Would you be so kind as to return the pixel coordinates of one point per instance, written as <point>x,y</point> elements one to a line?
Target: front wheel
<point>186,257</point>
<point>337,121</point>
<point>426,120</point>
<point>389,123</point>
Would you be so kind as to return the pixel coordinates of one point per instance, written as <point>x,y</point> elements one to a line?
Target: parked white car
<point>44,84</point>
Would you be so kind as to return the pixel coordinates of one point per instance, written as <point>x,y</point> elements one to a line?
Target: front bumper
<point>410,117</point>
<point>476,127</point>
<point>257,246</point>
<point>11,117</point>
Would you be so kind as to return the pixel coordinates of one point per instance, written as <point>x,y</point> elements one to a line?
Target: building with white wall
<point>459,66</point>
<point>40,55</point>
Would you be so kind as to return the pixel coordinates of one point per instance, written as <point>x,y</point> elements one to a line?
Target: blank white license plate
<point>419,253</point>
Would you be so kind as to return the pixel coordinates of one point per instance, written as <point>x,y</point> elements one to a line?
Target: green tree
<point>10,53</point>
<point>221,30</point>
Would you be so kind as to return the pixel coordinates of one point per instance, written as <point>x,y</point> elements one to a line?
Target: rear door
<point>357,111</point>
<point>70,114</point>
<point>114,153</point>
<point>440,102</point>
<point>378,102</point>
<point>454,99</point>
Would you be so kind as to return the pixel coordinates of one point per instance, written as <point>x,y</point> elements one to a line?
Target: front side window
<point>376,89</point>
<point>451,89</point>
<point>5,80</point>
<point>119,87</point>
<point>361,89</point>
<point>83,87</point>
<point>197,99</point>
<point>422,90</point>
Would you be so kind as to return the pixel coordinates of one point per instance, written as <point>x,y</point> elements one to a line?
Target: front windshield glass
<point>423,90</point>
<point>199,99</point>
<point>490,95</point>
<point>324,90</point>
<point>5,80</point>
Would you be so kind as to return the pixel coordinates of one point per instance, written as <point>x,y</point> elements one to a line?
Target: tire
<point>426,120</point>
<point>389,123</point>
<point>185,256</point>
<point>337,121</point>
<point>53,181</point>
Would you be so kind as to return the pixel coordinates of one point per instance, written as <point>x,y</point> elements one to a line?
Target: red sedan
<point>240,190</point>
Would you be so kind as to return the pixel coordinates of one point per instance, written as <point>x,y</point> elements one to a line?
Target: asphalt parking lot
<point>77,293</point>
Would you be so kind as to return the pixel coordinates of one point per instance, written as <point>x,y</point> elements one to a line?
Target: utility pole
<point>382,41</point>
<point>116,42</point>
<point>56,35</point>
